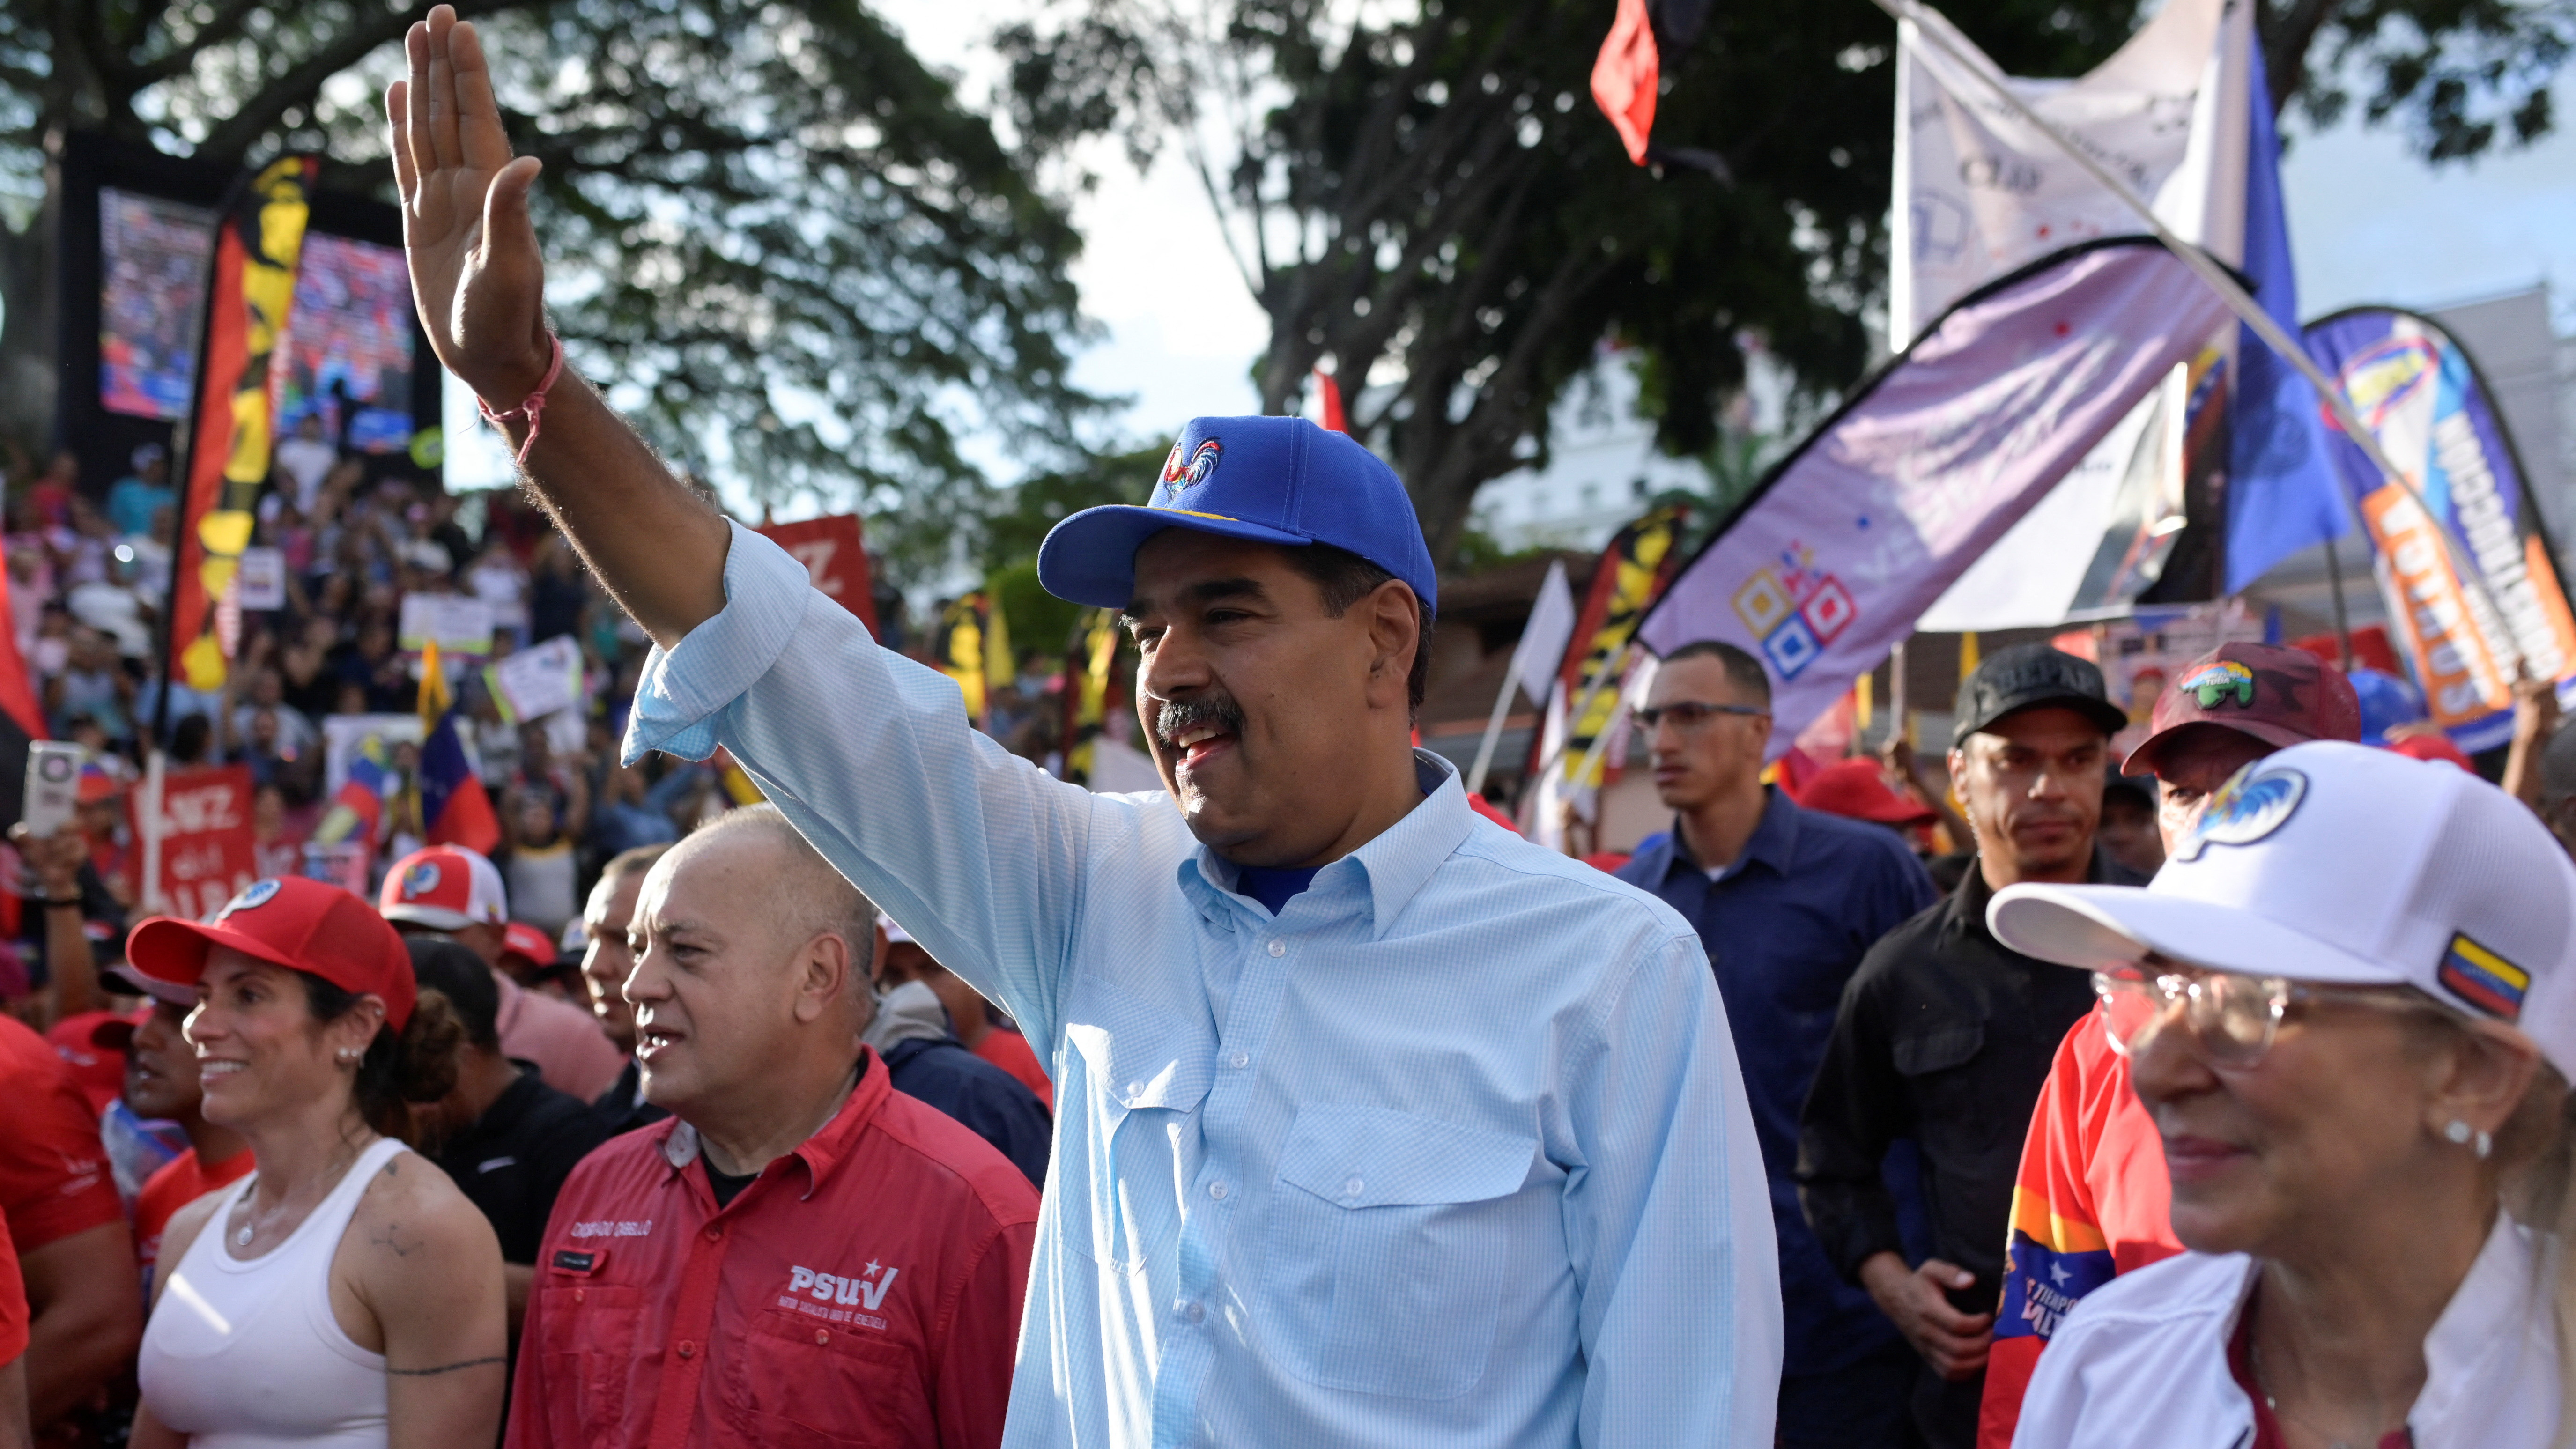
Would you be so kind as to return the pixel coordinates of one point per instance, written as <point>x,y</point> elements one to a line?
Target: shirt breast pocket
<point>797,1382</point>
<point>1389,1241</point>
<point>589,1346</point>
<point>1950,1095</point>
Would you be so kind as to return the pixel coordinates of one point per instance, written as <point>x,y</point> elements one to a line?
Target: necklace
<point>340,1163</point>
<point>2262,1381</point>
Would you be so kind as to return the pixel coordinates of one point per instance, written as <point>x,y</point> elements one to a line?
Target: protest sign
<point>537,681</point>
<point>833,550</point>
<point>207,856</point>
<point>261,579</point>
<point>458,623</point>
<point>345,737</point>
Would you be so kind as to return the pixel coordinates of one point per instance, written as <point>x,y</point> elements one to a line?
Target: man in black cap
<point>1945,1036</point>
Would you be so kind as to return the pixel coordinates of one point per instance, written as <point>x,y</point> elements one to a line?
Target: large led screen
<point>347,355</point>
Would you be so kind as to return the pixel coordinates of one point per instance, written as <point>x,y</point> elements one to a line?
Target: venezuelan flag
<point>454,810</point>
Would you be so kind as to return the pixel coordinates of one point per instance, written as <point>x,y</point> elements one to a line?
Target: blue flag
<point>2282,493</point>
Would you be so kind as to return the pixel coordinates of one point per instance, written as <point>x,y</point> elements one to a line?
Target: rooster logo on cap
<point>1190,472</point>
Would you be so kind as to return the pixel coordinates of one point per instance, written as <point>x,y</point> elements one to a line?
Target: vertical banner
<point>2419,393</point>
<point>834,553</point>
<point>1851,537</point>
<point>258,245</point>
<point>1634,570</point>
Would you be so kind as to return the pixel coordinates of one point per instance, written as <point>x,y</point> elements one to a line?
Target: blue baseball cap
<point>1270,480</point>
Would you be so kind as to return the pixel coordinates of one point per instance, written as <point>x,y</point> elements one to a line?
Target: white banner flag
<point>1544,637</point>
<point>1980,192</point>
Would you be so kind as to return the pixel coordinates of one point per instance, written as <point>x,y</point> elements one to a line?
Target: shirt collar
<point>1396,864</point>
<point>1968,903</point>
<point>1774,841</point>
<point>821,1152</point>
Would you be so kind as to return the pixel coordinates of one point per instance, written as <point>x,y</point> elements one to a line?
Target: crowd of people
<point>2218,1095</point>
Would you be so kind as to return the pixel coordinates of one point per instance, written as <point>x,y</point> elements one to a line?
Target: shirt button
<point>715,1235</point>
<point>688,1349</point>
<point>1135,1089</point>
<point>1352,1187</point>
<point>1217,1190</point>
<point>822,1335</point>
<point>1197,1312</point>
<point>1239,1060</point>
<point>1278,948</point>
<point>581,1295</point>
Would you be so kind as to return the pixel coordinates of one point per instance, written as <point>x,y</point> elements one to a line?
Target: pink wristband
<point>534,404</point>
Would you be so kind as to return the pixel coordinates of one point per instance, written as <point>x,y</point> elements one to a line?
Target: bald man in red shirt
<point>803,1254</point>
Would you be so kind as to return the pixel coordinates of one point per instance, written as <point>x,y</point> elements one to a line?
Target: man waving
<point>1375,1124</point>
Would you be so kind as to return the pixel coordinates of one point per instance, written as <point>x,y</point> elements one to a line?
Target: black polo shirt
<point>512,1161</point>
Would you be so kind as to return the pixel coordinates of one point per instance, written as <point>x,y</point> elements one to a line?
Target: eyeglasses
<point>2234,1016</point>
<point>1690,716</point>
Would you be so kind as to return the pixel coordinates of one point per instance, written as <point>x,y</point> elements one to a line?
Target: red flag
<point>1624,77</point>
<point>17,692</point>
<point>1330,392</point>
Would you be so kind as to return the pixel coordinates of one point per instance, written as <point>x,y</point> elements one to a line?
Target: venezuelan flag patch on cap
<point>2483,979</point>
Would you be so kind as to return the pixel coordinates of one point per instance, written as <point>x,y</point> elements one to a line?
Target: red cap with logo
<point>302,925</point>
<point>2279,695</point>
<point>446,888</point>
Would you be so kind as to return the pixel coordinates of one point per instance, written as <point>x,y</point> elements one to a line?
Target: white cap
<point>446,888</point>
<point>2332,862</point>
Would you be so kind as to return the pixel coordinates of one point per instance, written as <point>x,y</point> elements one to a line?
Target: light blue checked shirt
<point>1453,1151</point>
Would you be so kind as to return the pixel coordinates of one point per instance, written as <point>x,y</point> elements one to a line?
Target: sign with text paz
<point>207,854</point>
<point>834,551</point>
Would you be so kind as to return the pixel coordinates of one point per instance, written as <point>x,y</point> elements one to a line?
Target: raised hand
<point>476,274</point>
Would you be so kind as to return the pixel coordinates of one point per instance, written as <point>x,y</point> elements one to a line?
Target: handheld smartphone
<point>53,785</point>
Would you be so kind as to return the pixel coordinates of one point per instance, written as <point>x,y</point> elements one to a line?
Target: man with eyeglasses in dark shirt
<point>1787,901</point>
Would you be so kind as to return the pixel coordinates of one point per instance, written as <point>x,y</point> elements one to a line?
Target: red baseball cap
<point>1857,789</point>
<point>446,888</point>
<point>302,925</point>
<point>522,939</point>
<point>2279,695</point>
<point>2433,748</point>
<point>117,1032</point>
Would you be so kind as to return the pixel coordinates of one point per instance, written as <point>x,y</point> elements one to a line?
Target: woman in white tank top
<point>345,1295</point>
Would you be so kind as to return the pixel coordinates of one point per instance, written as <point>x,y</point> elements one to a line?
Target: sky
<point>2368,223</point>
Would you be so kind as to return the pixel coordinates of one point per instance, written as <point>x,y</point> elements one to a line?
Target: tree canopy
<point>1423,195</point>
<point>797,257</point>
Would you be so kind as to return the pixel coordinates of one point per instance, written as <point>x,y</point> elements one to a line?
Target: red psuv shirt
<point>2093,1201</point>
<point>865,1289</point>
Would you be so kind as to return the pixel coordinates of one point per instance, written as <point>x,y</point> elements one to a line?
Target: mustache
<point>1180,715</point>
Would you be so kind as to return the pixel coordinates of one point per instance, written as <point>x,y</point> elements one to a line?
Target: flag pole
<point>2242,303</point>
<point>1493,732</point>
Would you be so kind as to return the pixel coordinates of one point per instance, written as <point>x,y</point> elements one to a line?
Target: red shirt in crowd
<point>2092,1202</point>
<point>54,1180</point>
<point>13,1301</point>
<point>182,1180</point>
<point>865,1288</point>
<point>1010,1051</point>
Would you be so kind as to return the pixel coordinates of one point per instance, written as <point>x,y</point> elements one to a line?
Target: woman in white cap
<point>345,1294</point>
<point>2350,1006</point>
